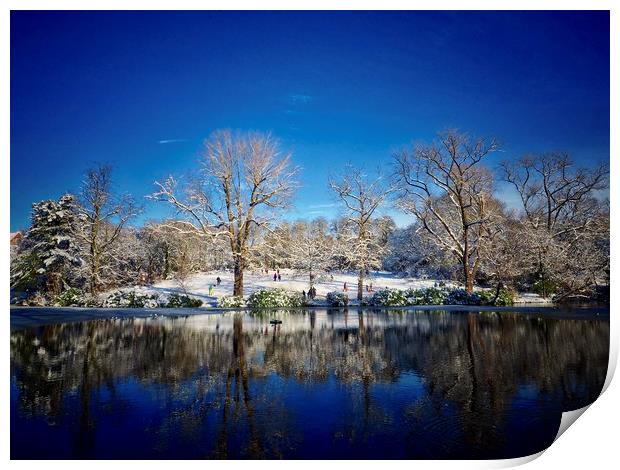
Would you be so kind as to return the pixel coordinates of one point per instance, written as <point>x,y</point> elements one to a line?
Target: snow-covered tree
<point>311,248</point>
<point>359,238</point>
<point>103,215</point>
<point>566,226</point>
<point>125,262</point>
<point>49,253</point>
<point>242,181</point>
<point>450,192</point>
<point>411,251</point>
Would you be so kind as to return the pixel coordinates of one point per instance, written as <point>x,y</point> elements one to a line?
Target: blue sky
<point>141,90</point>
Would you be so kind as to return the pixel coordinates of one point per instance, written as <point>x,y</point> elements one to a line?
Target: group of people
<point>276,276</point>
<point>311,293</point>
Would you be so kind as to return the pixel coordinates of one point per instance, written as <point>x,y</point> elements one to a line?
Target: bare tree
<point>561,217</point>
<point>311,248</point>
<point>361,197</point>
<point>503,259</point>
<point>554,194</point>
<point>449,191</point>
<point>104,215</point>
<point>242,180</point>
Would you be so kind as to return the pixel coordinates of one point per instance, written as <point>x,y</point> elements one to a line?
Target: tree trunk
<point>500,284</point>
<point>94,274</point>
<point>360,284</point>
<point>94,256</point>
<point>469,282</point>
<point>166,262</point>
<point>467,274</point>
<point>238,273</point>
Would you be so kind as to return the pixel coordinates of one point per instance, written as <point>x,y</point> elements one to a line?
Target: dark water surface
<point>377,384</point>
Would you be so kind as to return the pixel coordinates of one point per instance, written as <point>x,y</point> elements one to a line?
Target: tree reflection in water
<point>350,384</point>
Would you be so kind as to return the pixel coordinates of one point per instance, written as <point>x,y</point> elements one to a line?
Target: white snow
<point>531,298</point>
<point>197,285</point>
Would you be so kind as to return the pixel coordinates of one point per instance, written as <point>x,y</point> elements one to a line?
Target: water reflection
<point>429,384</point>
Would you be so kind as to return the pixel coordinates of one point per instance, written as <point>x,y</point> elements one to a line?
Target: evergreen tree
<point>49,254</point>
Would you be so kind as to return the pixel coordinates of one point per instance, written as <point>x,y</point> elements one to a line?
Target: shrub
<point>72,297</point>
<point>131,299</point>
<point>506,298</point>
<point>270,298</point>
<point>35,299</point>
<point>90,301</point>
<point>462,297</point>
<point>426,296</point>
<point>544,288</point>
<point>337,299</point>
<point>231,301</point>
<point>182,301</point>
<point>389,298</point>
<point>437,296</point>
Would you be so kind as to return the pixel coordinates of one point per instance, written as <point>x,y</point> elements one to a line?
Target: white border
<point>592,442</point>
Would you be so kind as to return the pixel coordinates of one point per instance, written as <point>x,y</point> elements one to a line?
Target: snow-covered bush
<point>270,298</point>
<point>72,297</point>
<point>337,299</point>
<point>231,301</point>
<point>182,301</point>
<point>504,299</point>
<point>462,297</point>
<point>131,299</point>
<point>136,299</point>
<point>438,296</point>
<point>426,296</point>
<point>389,298</point>
<point>33,300</point>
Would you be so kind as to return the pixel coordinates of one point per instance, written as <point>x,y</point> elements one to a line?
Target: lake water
<point>356,384</point>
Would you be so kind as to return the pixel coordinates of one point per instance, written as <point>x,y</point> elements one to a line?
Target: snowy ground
<point>198,284</point>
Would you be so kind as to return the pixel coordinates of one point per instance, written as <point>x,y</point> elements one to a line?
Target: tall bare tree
<point>242,180</point>
<point>361,197</point>
<point>104,215</point>
<point>565,223</point>
<point>449,191</point>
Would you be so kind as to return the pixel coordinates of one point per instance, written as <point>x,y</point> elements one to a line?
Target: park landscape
<point>446,297</point>
<point>83,245</point>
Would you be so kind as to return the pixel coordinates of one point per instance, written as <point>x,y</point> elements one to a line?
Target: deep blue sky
<point>334,87</point>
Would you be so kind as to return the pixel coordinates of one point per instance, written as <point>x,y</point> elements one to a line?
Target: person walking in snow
<point>275,277</point>
<point>344,287</point>
<point>211,290</point>
<point>218,280</point>
<point>279,277</point>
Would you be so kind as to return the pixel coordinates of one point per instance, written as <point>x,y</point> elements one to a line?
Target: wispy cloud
<point>171,141</point>
<point>300,98</point>
<point>322,206</point>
